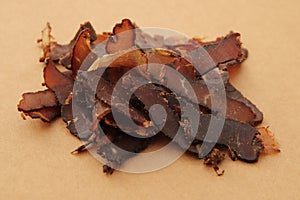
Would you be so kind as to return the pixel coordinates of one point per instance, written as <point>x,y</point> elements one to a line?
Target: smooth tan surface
<point>35,157</point>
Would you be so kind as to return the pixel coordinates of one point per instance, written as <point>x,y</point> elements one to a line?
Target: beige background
<point>35,158</point>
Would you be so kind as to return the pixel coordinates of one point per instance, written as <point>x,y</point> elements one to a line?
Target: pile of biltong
<point>75,61</point>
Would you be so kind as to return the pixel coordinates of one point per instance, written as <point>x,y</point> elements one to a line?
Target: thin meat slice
<point>123,37</point>
<point>239,137</point>
<point>61,84</point>
<point>224,51</point>
<point>82,56</point>
<point>37,100</point>
<point>41,104</point>
<point>62,54</point>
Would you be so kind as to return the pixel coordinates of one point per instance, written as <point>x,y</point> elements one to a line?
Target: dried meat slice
<point>123,37</point>
<point>236,109</point>
<point>240,138</point>
<point>82,56</point>
<point>61,84</point>
<point>36,100</point>
<point>66,58</point>
<point>224,51</point>
<point>41,104</point>
<point>62,53</point>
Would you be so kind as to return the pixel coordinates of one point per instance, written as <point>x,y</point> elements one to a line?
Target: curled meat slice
<point>61,84</point>
<point>123,37</point>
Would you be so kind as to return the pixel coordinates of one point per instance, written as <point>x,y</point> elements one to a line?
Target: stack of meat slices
<point>124,49</point>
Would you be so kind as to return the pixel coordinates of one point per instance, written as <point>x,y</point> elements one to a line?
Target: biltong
<point>127,47</point>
